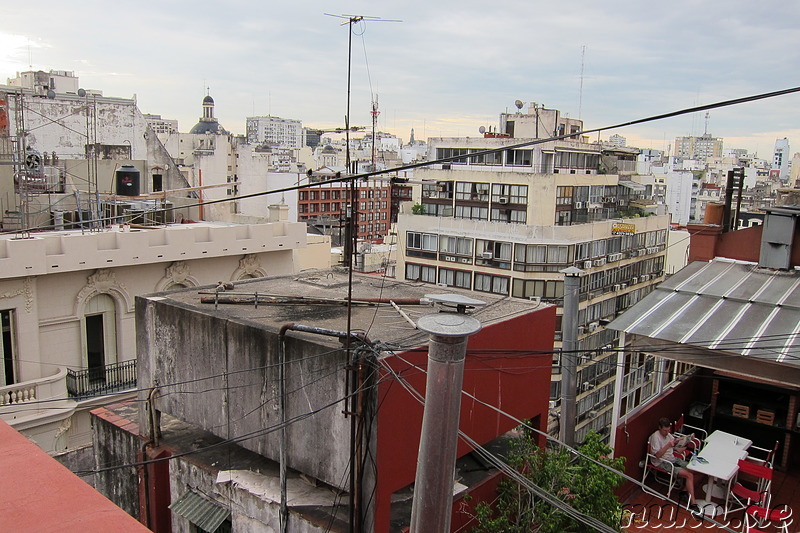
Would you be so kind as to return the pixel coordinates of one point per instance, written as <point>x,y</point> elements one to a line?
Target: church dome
<point>208,126</point>
<point>208,123</point>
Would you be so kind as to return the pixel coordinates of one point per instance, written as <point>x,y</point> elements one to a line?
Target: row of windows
<point>512,157</point>
<point>541,257</point>
<point>373,216</point>
<point>500,193</point>
<point>343,194</point>
<point>370,228</point>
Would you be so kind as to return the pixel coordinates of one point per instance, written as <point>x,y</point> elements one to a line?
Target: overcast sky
<point>446,69</point>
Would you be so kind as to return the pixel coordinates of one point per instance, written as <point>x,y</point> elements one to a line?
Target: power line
<point>410,166</point>
<point>500,464</point>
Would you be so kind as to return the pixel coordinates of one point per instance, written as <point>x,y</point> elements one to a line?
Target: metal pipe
<point>569,342</point>
<point>433,485</point>
<point>284,513</point>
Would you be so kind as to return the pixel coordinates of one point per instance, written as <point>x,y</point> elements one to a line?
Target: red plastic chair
<point>663,473</point>
<point>746,497</point>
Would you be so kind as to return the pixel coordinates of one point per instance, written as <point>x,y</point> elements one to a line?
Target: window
<point>455,278</point>
<point>495,158</point>
<point>549,289</point>
<point>511,216</point>
<point>490,283</point>
<point>455,245</point>
<point>472,212</point>
<point>472,191</point>
<point>8,370</point>
<point>441,190</point>
<point>442,153</point>
<point>496,250</point>
<point>519,158</point>
<point>421,241</point>
<point>99,326</point>
<point>422,273</point>
<point>509,194</point>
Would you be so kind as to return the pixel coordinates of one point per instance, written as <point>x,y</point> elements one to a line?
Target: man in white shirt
<point>661,444</point>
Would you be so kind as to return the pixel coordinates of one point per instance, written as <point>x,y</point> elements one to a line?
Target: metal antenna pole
<point>431,509</point>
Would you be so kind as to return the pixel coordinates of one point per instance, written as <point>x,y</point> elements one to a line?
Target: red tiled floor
<point>655,515</point>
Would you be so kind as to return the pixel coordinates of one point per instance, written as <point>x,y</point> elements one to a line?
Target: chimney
<point>777,237</point>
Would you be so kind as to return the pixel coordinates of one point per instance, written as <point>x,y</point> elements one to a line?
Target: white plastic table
<point>722,451</point>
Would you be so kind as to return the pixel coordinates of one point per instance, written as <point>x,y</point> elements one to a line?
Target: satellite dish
<point>482,129</point>
<point>81,92</point>
<point>519,104</point>
<point>51,94</point>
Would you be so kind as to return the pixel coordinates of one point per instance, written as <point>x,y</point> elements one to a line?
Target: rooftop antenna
<point>375,114</point>
<point>355,500</point>
<point>580,92</point>
<point>705,128</point>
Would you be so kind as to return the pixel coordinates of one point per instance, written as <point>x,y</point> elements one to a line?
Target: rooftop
<point>39,494</point>
<point>318,298</point>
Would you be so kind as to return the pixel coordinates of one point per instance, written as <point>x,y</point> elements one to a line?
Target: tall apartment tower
<point>699,148</point>
<point>508,222</point>
<point>781,159</point>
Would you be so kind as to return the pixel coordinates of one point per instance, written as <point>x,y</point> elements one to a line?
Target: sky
<point>448,68</point>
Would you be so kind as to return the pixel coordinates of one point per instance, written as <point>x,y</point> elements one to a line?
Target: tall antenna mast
<point>375,114</point>
<point>705,128</point>
<point>580,93</point>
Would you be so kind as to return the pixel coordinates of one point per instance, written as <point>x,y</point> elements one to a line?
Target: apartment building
<point>276,131</point>
<point>508,222</point>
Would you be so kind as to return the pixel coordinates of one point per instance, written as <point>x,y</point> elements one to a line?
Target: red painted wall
<point>508,366</point>
<point>708,242</point>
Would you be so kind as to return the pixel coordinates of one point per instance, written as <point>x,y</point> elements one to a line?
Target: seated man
<point>661,444</point>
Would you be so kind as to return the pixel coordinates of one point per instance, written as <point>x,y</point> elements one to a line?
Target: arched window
<point>99,335</point>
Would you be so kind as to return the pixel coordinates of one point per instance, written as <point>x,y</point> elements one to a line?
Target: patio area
<point>655,515</point>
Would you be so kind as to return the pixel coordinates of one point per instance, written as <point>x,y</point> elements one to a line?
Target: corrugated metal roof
<point>200,511</point>
<point>723,305</point>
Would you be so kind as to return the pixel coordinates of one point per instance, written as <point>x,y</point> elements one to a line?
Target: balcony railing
<point>33,391</point>
<point>98,381</point>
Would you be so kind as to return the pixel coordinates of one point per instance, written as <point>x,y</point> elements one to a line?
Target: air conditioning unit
<point>616,287</point>
<point>634,280</point>
<point>585,386</point>
<point>600,262</point>
<point>553,404</point>
<point>449,258</point>
<point>593,325</point>
<point>581,330</point>
<point>578,205</point>
<point>487,255</point>
<point>464,260</point>
<point>587,264</point>
<point>535,299</point>
<point>624,285</point>
<point>645,277</point>
<point>502,200</point>
<point>642,251</point>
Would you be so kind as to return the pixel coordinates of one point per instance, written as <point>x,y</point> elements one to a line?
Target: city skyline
<point>445,70</point>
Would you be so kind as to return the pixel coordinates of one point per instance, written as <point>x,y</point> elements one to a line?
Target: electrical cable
<point>522,423</point>
<point>524,144</point>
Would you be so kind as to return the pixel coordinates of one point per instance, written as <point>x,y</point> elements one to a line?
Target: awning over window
<point>632,185</point>
<point>200,511</point>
